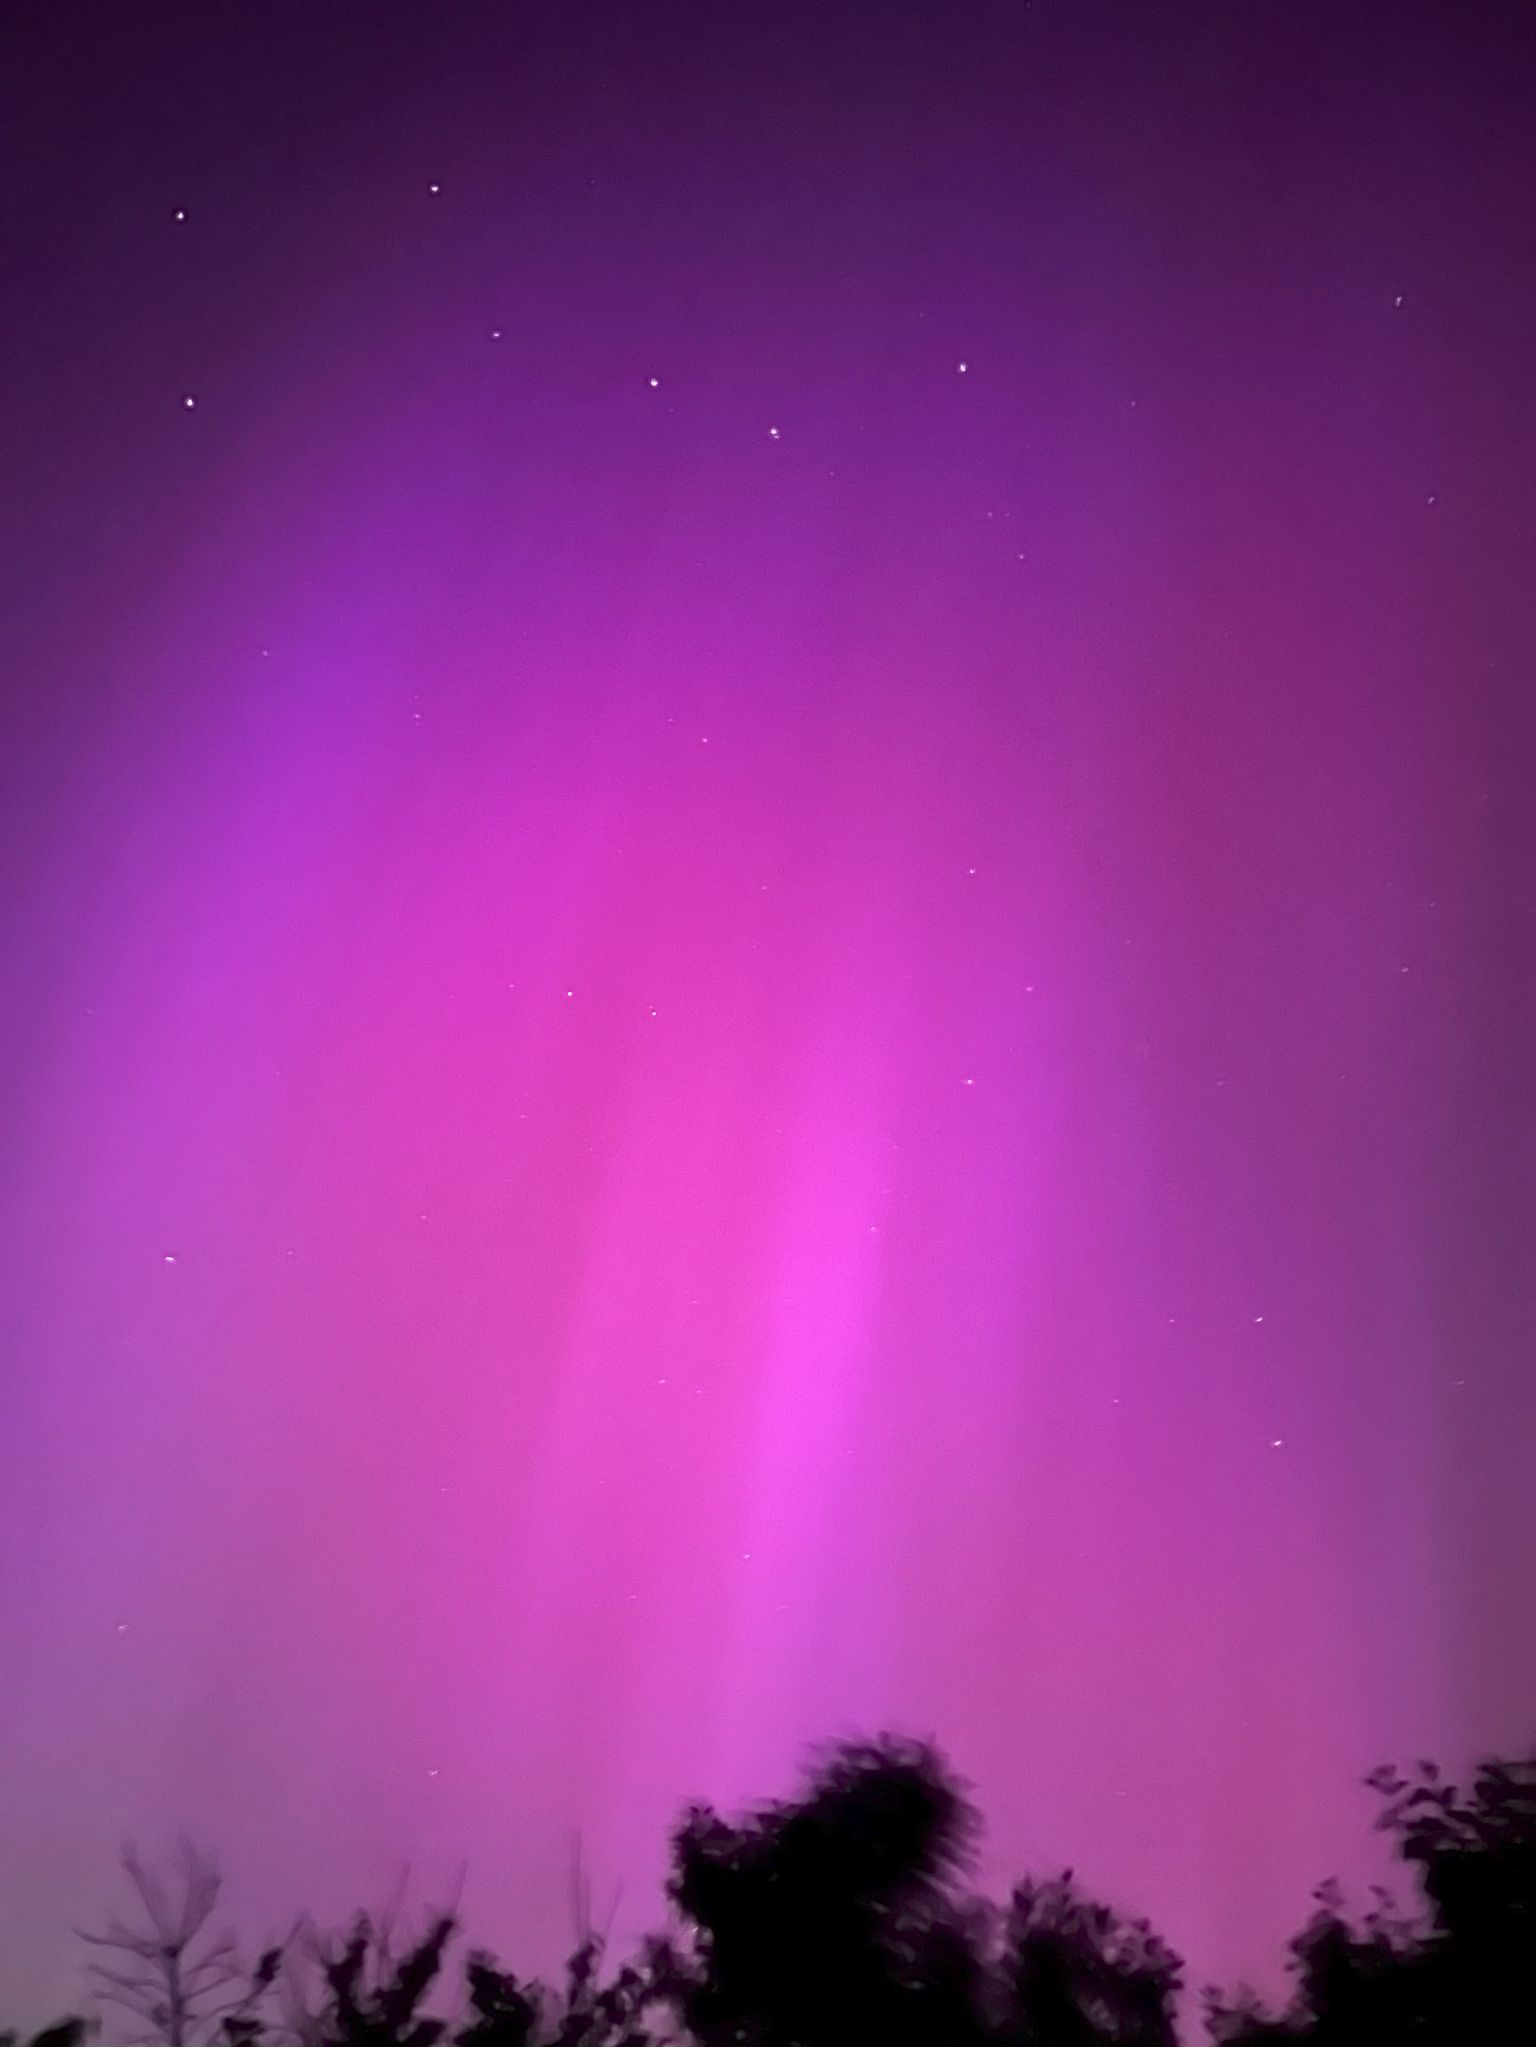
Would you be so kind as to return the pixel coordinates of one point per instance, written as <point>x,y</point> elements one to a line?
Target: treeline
<point>840,1919</point>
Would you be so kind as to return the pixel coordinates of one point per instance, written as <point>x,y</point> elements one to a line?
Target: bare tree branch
<point>190,1994</point>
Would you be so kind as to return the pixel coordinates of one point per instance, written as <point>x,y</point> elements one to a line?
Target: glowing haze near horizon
<point>768,925</point>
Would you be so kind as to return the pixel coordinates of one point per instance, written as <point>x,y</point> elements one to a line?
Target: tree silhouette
<point>829,1918</point>
<point>1475,1854</point>
<point>834,1919</point>
<point>185,1987</point>
<point>1461,1969</point>
<point>1076,1974</point>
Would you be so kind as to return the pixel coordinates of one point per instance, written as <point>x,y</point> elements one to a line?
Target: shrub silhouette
<point>63,2033</point>
<point>369,1997</point>
<point>585,2013</point>
<point>505,2012</point>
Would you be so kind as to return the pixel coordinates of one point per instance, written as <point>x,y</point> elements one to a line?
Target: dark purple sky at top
<point>767,917</point>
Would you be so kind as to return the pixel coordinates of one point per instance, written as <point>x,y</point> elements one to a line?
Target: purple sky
<point>767,898</point>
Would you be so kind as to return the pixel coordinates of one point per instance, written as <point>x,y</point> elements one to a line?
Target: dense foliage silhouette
<point>1461,1967</point>
<point>838,1919</point>
<point>828,1919</point>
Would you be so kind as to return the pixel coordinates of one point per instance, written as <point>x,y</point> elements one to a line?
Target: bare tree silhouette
<point>185,1986</point>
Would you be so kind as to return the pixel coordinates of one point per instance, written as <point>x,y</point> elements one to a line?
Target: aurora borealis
<point>768,930</point>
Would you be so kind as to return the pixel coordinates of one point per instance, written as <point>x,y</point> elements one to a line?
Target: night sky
<point>767,879</point>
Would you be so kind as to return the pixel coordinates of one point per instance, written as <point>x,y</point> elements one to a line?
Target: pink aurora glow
<point>679,1089</point>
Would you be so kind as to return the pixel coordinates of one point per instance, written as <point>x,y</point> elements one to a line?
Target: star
<point>961,368</point>
<point>190,401</point>
<point>180,213</point>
